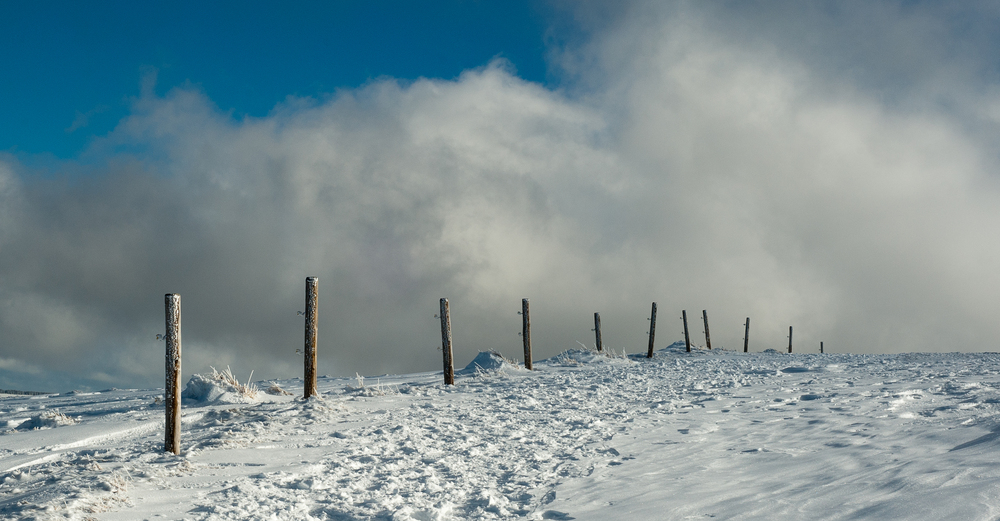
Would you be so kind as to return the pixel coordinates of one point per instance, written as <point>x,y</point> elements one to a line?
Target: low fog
<point>832,171</point>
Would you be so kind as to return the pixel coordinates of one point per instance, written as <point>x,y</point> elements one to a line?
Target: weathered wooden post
<point>652,330</point>
<point>687,339</point>
<point>746,337</point>
<point>789,339</point>
<point>449,364</point>
<point>172,395</point>
<point>597,331</point>
<point>312,333</point>
<point>821,347</point>
<point>708,338</point>
<point>526,333</point>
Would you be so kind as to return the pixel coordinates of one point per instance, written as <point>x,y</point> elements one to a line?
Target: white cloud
<point>693,166</point>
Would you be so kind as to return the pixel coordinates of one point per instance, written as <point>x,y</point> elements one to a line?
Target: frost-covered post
<point>172,395</point>
<point>597,331</point>
<point>652,330</point>
<point>687,339</point>
<point>312,333</point>
<point>746,337</point>
<point>526,333</point>
<point>789,339</point>
<point>708,338</point>
<point>449,363</point>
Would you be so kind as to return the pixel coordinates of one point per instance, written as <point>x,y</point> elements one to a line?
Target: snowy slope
<point>682,436</point>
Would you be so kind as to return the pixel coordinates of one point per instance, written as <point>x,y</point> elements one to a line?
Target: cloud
<point>862,218</point>
<point>18,366</point>
<point>394,195</point>
<point>685,162</point>
<point>82,119</point>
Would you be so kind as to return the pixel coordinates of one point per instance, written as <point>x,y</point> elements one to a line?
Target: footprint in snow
<point>699,429</point>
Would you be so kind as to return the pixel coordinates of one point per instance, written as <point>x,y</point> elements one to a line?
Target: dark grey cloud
<point>749,160</point>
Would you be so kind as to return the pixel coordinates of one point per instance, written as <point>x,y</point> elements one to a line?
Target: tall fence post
<point>449,363</point>
<point>172,395</point>
<point>708,338</point>
<point>821,347</point>
<point>312,333</point>
<point>652,330</point>
<point>526,333</point>
<point>687,339</point>
<point>789,339</point>
<point>597,331</point>
<point>746,337</point>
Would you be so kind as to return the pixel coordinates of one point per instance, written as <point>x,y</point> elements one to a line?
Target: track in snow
<point>682,436</point>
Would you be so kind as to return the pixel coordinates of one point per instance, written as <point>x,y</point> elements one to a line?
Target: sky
<point>829,166</point>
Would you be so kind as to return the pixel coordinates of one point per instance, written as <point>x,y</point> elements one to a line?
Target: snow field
<point>682,436</point>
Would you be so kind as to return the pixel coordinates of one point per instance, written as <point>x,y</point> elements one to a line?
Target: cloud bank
<point>700,157</point>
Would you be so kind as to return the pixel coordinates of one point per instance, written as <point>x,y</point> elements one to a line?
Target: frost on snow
<point>219,387</point>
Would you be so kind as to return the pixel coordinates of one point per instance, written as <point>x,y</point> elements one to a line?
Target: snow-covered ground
<point>682,436</point>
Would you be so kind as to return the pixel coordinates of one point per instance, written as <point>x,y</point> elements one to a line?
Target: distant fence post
<point>652,330</point>
<point>172,396</point>
<point>449,363</point>
<point>746,337</point>
<point>789,339</point>
<point>708,338</point>
<point>597,331</point>
<point>687,339</point>
<point>312,333</point>
<point>821,347</point>
<point>526,333</point>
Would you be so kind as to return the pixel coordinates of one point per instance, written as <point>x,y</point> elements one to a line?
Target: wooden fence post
<point>172,395</point>
<point>652,330</point>
<point>821,347</point>
<point>708,338</point>
<point>449,363</point>
<point>687,339</point>
<point>597,331</point>
<point>526,333</point>
<point>312,333</point>
<point>746,337</point>
<point>789,339</point>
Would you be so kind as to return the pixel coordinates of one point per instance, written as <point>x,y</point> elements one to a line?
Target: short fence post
<point>597,331</point>
<point>652,330</point>
<point>449,364</point>
<point>526,333</point>
<point>746,337</point>
<point>171,395</point>
<point>789,339</point>
<point>821,347</point>
<point>708,338</point>
<point>312,333</point>
<point>687,339</point>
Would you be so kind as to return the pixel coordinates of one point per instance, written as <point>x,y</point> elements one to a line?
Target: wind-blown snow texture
<point>683,436</point>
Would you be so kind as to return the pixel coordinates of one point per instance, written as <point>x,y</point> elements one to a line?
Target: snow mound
<point>677,347</point>
<point>208,389</point>
<point>45,420</point>
<point>489,361</point>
